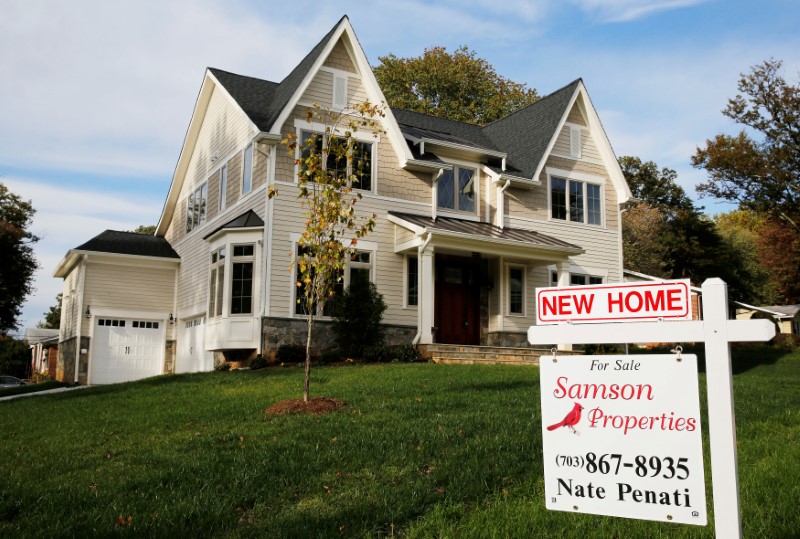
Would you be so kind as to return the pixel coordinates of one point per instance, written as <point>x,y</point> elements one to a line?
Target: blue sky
<point>96,96</point>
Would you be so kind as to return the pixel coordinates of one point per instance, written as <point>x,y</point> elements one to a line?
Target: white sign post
<point>717,332</point>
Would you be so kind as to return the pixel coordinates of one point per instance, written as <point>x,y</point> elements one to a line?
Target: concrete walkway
<point>45,392</point>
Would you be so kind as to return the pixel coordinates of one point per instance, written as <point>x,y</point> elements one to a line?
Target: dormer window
<point>575,201</point>
<point>456,189</point>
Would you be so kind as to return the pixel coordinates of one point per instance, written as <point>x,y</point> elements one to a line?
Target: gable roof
<point>129,243</point>
<point>248,219</point>
<point>526,134</point>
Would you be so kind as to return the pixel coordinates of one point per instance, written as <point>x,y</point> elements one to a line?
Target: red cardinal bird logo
<point>570,420</point>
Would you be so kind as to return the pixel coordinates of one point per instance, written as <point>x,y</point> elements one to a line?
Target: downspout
<point>501,205</point>
<point>422,247</point>
<point>80,320</point>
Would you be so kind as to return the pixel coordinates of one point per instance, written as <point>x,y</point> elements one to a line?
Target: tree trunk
<point>308,359</point>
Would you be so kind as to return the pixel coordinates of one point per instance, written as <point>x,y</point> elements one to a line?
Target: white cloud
<point>629,10</point>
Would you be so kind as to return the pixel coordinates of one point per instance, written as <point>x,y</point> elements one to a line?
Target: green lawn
<point>422,451</point>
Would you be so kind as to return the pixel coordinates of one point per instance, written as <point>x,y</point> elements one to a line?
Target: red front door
<point>457,301</point>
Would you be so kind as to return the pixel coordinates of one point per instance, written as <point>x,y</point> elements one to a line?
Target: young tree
<point>16,252</point>
<point>762,173</point>
<point>52,318</point>
<point>330,166</point>
<point>145,229</point>
<point>457,86</point>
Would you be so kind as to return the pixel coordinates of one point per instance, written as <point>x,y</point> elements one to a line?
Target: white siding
<point>70,304</point>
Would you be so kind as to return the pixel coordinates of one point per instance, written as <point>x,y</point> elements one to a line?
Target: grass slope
<point>422,451</point>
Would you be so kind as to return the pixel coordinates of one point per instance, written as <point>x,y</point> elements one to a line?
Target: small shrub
<point>786,341</point>
<point>291,353</point>
<point>333,355</point>
<point>357,318</point>
<point>374,354</point>
<point>603,349</point>
<point>258,363</point>
<point>404,353</point>
<point>223,367</point>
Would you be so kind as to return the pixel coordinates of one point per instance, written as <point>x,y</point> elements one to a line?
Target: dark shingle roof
<point>474,228</point>
<point>525,134</point>
<point>263,100</point>
<point>248,219</point>
<point>129,243</point>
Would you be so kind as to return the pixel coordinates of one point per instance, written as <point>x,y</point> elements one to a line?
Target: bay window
<point>232,284</point>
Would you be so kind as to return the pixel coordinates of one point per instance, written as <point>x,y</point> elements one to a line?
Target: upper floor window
<point>576,279</point>
<point>196,207</point>
<point>223,186</point>
<point>456,189</point>
<point>247,170</point>
<point>575,201</point>
<point>360,165</point>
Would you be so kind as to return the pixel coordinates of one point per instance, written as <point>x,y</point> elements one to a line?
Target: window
<point>242,279</point>
<point>358,268</point>
<point>576,279</point>
<point>516,290</point>
<point>575,201</point>
<point>412,290</point>
<point>456,189</point>
<point>223,186</point>
<point>216,283</point>
<point>196,208</point>
<point>247,170</point>
<point>339,91</point>
<point>360,166</point>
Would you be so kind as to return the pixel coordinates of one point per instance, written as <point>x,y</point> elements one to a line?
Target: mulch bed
<point>314,406</point>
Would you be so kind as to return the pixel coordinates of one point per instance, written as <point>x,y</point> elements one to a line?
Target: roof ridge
<point>537,102</point>
<point>212,69</point>
<point>476,126</point>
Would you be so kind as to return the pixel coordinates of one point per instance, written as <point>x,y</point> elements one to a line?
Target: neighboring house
<point>470,221</point>
<point>786,317</point>
<point>44,350</point>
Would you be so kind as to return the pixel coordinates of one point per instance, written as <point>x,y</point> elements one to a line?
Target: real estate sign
<point>621,436</point>
<point>665,300</point>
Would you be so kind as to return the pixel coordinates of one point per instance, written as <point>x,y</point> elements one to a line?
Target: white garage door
<point>125,350</point>
<point>192,355</point>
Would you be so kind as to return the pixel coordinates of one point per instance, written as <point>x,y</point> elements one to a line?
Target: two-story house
<point>470,221</point>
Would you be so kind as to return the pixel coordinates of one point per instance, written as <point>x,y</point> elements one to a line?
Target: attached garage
<point>192,355</point>
<point>125,349</point>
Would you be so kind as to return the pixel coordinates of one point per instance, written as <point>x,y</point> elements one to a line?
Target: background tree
<point>16,252</point>
<point>330,165</point>
<point>145,229</point>
<point>779,250</point>
<point>459,86</point>
<point>52,318</point>
<point>15,357</point>
<point>666,235</point>
<point>763,173</point>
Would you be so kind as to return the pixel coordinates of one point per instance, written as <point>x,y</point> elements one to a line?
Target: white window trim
<point>365,246</point>
<point>507,290</point>
<point>228,240</point>
<point>231,260</point>
<point>457,163</point>
<point>358,136</point>
<point>580,177</point>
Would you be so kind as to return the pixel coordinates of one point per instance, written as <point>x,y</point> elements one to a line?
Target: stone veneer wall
<point>508,339</point>
<point>65,369</point>
<point>169,357</point>
<point>277,332</point>
<point>83,361</point>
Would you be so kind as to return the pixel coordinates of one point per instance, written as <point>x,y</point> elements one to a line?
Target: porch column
<point>563,280</point>
<point>426,295</point>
